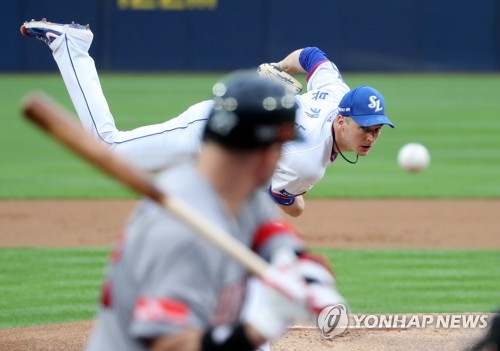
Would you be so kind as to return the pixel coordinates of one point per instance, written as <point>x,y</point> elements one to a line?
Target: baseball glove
<point>269,71</point>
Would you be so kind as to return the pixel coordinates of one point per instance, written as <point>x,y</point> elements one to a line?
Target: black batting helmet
<point>250,113</point>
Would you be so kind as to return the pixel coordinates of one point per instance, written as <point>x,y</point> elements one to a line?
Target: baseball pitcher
<point>325,129</point>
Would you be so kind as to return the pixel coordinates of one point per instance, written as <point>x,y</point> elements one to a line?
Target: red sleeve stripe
<point>106,295</point>
<point>270,229</point>
<point>149,309</point>
<point>311,72</point>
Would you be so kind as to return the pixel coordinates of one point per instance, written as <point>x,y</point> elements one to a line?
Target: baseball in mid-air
<point>414,157</point>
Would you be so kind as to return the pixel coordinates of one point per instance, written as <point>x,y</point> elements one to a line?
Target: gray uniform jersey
<point>164,276</point>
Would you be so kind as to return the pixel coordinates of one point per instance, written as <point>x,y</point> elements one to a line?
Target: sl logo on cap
<point>375,103</point>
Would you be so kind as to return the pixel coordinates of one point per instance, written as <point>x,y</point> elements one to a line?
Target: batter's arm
<point>193,340</point>
<point>186,340</point>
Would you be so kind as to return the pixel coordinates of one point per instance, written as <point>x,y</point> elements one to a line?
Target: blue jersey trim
<point>280,199</point>
<point>309,57</point>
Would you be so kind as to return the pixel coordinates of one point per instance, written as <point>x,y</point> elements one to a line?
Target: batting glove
<point>322,290</point>
<point>282,301</point>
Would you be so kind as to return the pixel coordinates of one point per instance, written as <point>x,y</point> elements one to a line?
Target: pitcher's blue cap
<point>365,106</point>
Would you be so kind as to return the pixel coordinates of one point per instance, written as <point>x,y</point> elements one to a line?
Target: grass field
<point>40,286</point>
<point>456,116</point>
<point>49,285</point>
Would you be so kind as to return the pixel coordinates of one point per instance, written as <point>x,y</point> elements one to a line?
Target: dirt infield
<point>336,223</point>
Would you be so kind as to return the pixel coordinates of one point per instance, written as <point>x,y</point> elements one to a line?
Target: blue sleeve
<point>281,200</point>
<point>310,57</point>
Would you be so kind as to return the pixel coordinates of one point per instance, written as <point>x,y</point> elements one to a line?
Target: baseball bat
<point>56,121</point>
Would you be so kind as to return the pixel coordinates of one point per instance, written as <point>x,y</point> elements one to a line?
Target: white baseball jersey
<point>303,163</point>
<point>154,147</point>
